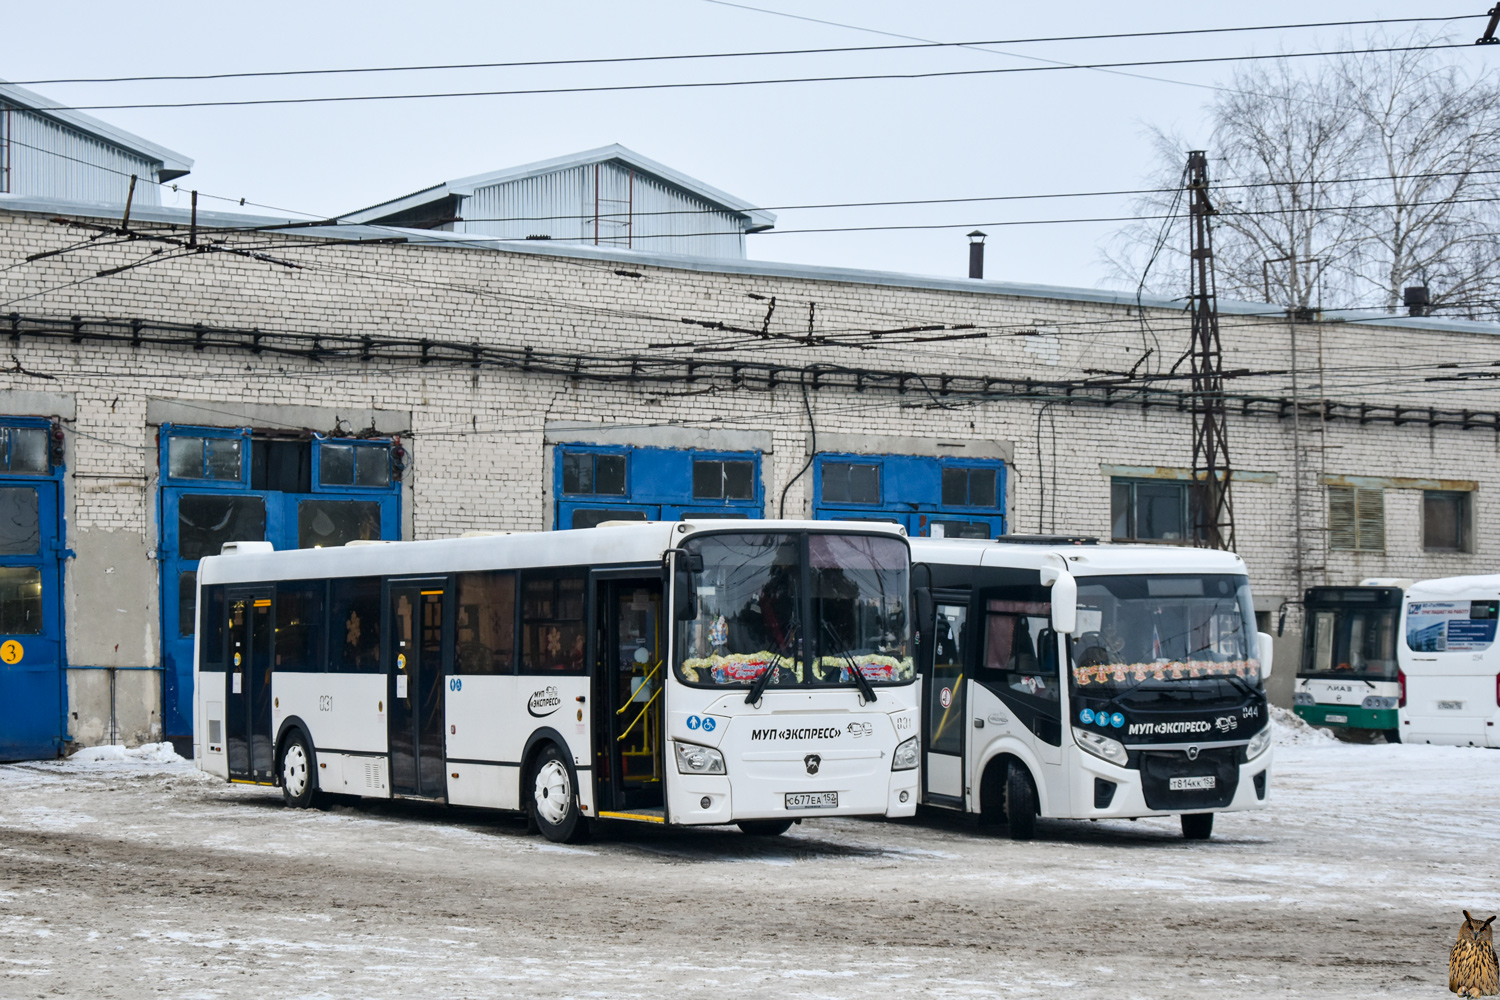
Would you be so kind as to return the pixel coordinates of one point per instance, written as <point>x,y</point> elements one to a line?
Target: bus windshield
<point>810,607</point>
<point>1163,632</point>
<point>1350,641</point>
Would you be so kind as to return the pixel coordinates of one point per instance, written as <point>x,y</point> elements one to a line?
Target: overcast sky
<point>771,145</point>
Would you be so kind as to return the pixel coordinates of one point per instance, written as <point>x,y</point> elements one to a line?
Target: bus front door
<point>947,704</point>
<point>247,688</point>
<point>415,671</point>
<point>629,660</point>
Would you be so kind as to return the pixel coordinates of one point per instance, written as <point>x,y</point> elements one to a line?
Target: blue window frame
<point>228,484</point>
<point>597,483</point>
<point>952,497</point>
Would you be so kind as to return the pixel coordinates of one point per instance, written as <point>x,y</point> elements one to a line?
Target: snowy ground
<point>131,875</point>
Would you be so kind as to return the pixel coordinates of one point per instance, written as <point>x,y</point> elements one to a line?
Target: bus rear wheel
<point>553,804</point>
<point>764,827</point>
<point>1197,826</point>
<point>1020,804</point>
<point>299,778</point>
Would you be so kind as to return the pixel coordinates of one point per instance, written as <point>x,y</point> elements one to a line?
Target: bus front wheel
<point>299,778</point>
<point>1020,804</point>
<point>554,801</point>
<point>1197,826</point>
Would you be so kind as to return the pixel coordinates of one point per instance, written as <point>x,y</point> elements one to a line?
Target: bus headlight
<point>905,757</point>
<point>1377,702</point>
<point>1101,746</point>
<point>1303,698</point>
<point>693,759</point>
<point>1258,743</point>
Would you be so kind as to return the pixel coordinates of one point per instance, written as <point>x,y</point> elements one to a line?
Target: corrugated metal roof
<point>725,265</point>
<point>173,164</point>
<point>755,218</point>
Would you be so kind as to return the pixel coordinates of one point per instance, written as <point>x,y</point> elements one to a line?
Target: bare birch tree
<point>1339,186</point>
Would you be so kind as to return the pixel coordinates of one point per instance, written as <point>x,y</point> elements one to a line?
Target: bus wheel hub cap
<point>294,771</point>
<point>552,792</point>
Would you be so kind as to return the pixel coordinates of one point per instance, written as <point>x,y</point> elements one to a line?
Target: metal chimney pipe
<point>1417,300</point>
<point>976,254</point>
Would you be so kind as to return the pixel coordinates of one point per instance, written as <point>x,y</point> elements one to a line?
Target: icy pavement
<point>129,874</point>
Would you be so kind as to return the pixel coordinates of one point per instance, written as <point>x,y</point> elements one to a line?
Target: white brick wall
<point>477,451</point>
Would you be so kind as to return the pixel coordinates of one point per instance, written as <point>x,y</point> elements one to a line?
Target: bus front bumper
<point>1102,790</point>
<point>1347,716</point>
<point>719,798</point>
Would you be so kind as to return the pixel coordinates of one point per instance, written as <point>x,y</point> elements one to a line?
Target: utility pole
<point>1210,502</point>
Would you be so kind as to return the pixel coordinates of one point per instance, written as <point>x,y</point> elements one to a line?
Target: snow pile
<point>146,753</point>
<point>1290,729</point>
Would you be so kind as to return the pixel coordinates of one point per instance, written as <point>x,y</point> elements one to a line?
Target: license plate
<point>1330,717</point>
<point>1451,706</point>
<point>812,800</point>
<point>1193,783</point>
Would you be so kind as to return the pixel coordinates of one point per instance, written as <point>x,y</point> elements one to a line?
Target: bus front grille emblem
<point>1192,753</point>
<point>813,761</point>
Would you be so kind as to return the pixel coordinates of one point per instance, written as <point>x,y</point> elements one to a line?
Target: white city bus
<point>1450,664</point>
<point>1349,677</point>
<point>682,673</point>
<point>1064,678</point>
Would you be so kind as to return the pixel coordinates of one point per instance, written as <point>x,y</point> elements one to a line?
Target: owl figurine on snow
<point>1472,969</point>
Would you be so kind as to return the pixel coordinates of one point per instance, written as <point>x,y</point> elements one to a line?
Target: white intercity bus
<point>749,672</point>
<point>1450,664</point>
<point>1064,678</point>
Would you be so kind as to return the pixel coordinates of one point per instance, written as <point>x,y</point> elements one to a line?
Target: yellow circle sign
<point>11,651</point>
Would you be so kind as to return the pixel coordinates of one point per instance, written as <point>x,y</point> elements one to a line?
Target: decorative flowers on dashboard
<point>742,668</point>
<point>1164,670</point>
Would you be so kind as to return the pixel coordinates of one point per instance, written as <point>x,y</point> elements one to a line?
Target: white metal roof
<point>465,186</point>
<point>1447,588</point>
<point>173,164</point>
<point>1111,559</point>
<point>621,544</point>
<point>726,265</point>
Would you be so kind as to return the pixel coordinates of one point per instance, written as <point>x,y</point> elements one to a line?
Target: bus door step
<point>636,815</point>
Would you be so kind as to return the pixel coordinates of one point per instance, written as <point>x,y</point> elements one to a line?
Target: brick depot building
<point>313,386</point>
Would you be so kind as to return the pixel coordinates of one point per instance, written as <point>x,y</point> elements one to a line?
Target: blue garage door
<point>595,483</point>
<point>230,485</point>
<point>32,695</point>
<point>951,497</point>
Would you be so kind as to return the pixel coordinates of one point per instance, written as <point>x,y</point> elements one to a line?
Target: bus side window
<point>211,636</point>
<point>1020,656</point>
<point>552,631</point>
<point>300,624</point>
<point>486,623</point>
<point>354,626</point>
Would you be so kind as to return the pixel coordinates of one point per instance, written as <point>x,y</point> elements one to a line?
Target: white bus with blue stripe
<point>673,673</point>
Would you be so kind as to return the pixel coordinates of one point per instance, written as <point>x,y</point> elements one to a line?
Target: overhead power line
<point>768,81</point>
<point>750,54</point>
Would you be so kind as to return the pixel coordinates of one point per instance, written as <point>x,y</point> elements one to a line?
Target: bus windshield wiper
<point>758,686</point>
<point>865,687</point>
<point>1240,683</point>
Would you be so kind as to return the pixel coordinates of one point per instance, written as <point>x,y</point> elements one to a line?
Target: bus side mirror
<point>1064,599</point>
<point>1265,654</point>
<point>924,607</point>
<point>684,608</point>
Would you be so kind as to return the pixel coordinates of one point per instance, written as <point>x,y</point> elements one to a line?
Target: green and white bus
<point>1349,677</point>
